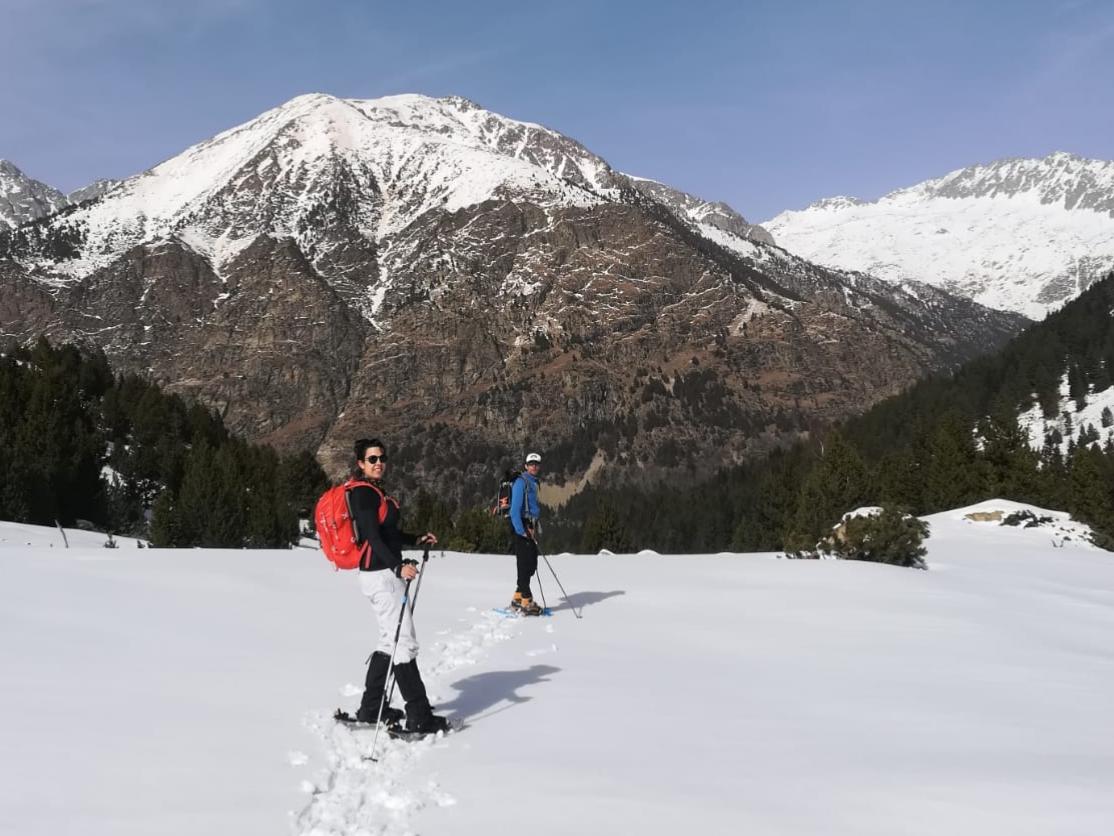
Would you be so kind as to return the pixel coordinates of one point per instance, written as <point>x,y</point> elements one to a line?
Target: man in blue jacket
<point>524,524</point>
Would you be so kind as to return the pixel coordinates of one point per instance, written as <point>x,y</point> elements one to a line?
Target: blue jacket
<point>524,497</point>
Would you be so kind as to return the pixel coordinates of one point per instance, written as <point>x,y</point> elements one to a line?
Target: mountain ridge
<point>23,198</point>
<point>1018,234</point>
<point>467,284</point>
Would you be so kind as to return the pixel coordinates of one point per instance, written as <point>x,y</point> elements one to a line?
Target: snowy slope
<point>1070,421</point>
<point>188,693</point>
<point>700,213</point>
<point>92,191</point>
<point>23,199</point>
<point>1024,235</point>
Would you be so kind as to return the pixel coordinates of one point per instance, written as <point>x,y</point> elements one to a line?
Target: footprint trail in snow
<point>355,795</point>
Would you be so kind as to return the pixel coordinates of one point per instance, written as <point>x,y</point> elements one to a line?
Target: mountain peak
<point>1061,177</point>
<point>385,161</point>
<point>836,202</point>
<point>1022,234</point>
<point>24,199</point>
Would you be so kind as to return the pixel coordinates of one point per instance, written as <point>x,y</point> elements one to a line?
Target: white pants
<point>385,592</point>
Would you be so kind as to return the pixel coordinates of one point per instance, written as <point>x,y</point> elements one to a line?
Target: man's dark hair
<point>365,444</point>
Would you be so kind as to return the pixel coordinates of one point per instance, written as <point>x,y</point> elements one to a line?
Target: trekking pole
<point>383,700</point>
<point>541,589</point>
<point>550,565</point>
<point>390,692</point>
<point>418,588</point>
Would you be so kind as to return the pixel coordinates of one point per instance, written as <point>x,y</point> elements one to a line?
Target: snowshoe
<point>420,718</point>
<point>525,605</point>
<point>404,733</point>
<point>391,716</point>
<point>508,612</point>
<point>530,607</point>
<point>392,719</point>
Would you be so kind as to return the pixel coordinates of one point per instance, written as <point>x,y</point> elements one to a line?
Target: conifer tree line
<point>79,443</point>
<point>949,441</point>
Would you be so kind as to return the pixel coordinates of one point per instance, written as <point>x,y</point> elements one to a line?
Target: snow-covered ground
<point>188,692</point>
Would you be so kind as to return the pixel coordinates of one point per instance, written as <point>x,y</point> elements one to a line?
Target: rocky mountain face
<point>92,191</point>
<point>715,215</point>
<point>23,199</point>
<point>1023,235</point>
<point>467,286</point>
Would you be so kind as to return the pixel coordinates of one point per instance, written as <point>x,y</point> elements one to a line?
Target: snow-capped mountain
<point>704,214</point>
<point>92,191</point>
<point>464,282</point>
<point>1023,235</point>
<point>23,199</point>
<point>380,163</point>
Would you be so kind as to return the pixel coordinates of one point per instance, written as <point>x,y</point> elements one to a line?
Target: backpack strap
<point>365,556</point>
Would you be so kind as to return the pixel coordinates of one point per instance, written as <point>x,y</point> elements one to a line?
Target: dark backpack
<point>502,506</point>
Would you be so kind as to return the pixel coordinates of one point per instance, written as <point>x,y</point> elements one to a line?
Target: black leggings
<point>526,555</point>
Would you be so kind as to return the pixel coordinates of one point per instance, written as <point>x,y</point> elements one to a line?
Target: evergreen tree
<point>953,476</point>
<point>838,483</point>
<point>477,530</point>
<point>64,417</point>
<point>429,514</point>
<point>1011,463</point>
<point>1077,386</point>
<point>1091,490</point>
<point>890,536</point>
<point>604,529</point>
<point>303,481</point>
<point>766,499</point>
<point>900,480</point>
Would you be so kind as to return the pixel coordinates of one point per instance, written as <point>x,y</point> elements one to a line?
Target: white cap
<point>533,457</point>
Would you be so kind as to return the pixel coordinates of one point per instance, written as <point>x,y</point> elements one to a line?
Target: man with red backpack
<point>383,577</point>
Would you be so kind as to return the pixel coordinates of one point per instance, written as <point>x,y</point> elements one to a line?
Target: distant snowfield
<point>1022,252</point>
<point>188,692</point>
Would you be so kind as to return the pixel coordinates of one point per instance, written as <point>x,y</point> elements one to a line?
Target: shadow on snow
<point>579,600</point>
<point>482,691</point>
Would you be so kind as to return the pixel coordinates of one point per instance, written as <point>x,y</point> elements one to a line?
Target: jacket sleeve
<point>365,514</point>
<point>518,503</point>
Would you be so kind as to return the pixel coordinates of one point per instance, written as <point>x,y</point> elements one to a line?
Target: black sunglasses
<point>375,459</point>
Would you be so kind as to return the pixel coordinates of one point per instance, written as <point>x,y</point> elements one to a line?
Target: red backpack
<point>335,531</point>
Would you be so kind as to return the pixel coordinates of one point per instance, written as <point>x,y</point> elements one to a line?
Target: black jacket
<point>386,538</point>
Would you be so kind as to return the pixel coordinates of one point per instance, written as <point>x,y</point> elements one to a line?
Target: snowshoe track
<point>353,795</point>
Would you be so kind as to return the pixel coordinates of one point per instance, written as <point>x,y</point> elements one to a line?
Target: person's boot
<point>419,715</point>
<point>530,607</point>
<point>516,601</point>
<point>374,685</point>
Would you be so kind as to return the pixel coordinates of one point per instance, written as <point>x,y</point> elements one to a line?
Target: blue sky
<point>767,105</point>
